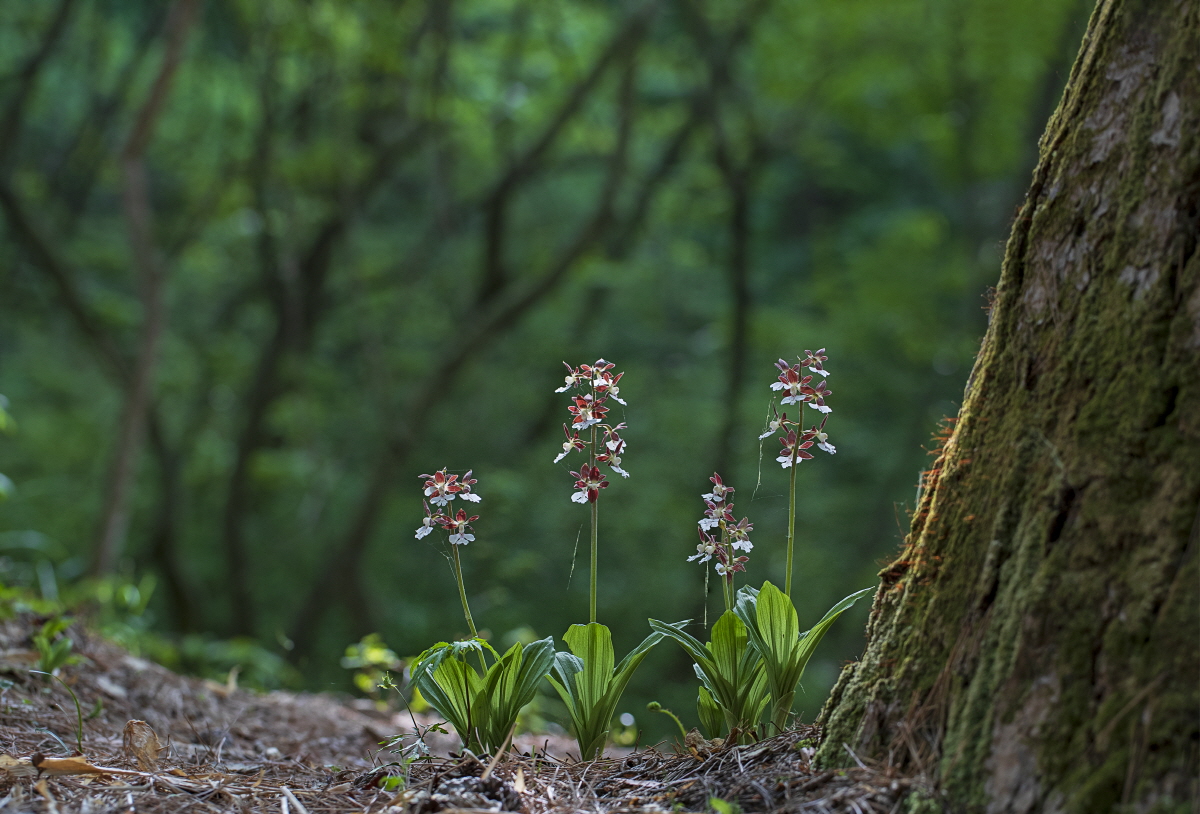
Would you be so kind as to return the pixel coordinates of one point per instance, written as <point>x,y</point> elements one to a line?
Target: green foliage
<point>771,624</point>
<point>53,646</point>
<point>720,806</point>
<point>482,708</point>
<point>590,685</point>
<point>733,685</point>
<point>371,659</point>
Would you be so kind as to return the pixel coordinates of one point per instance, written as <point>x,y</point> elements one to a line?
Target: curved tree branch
<point>114,521</point>
<point>10,123</point>
<point>339,575</point>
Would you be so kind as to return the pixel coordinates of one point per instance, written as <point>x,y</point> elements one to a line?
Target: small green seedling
<point>78,709</point>
<point>54,649</point>
<point>720,806</point>
<point>654,706</point>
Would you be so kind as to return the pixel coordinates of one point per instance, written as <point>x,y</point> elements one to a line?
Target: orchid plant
<point>733,690</point>
<point>757,654</point>
<point>481,705</point>
<point>596,384</point>
<point>798,389</point>
<point>586,678</point>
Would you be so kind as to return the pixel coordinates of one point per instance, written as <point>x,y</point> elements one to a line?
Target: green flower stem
<point>595,533</point>
<point>462,591</point>
<point>787,584</point>
<point>725,542</point>
<point>462,594</point>
<point>592,608</point>
<point>654,706</point>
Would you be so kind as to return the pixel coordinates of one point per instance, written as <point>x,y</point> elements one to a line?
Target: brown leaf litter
<point>160,742</point>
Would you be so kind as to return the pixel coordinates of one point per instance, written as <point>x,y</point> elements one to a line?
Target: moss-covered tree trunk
<point>1036,646</point>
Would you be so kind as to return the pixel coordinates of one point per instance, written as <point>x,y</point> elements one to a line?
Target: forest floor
<point>155,741</point>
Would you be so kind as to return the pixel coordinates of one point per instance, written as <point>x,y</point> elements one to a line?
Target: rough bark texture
<point>1036,643</point>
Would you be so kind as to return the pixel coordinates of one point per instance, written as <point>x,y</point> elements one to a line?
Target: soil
<point>155,741</point>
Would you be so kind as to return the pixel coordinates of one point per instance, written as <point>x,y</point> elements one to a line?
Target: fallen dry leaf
<point>39,764</point>
<point>69,765</point>
<point>16,767</point>
<point>142,741</point>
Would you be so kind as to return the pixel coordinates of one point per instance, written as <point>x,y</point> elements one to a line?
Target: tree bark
<point>1034,646</point>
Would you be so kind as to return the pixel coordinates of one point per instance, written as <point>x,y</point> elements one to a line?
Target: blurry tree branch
<point>152,279</point>
<point>10,123</point>
<point>40,251</point>
<point>340,575</point>
<point>91,145</point>
<point>164,549</point>
<point>738,178</point>
<point>495,274</point>
<point>441,23</point>
<point>101,343</point>
<point>299,300</point>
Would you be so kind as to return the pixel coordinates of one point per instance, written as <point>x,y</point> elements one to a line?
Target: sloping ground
<point>225,750</point>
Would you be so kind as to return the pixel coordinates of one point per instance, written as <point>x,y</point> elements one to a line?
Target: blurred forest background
<point>266,261</point>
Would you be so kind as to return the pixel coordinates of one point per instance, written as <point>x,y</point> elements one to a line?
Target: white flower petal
<point>579,497</point>
<point>471,496</point>
<point>777,385</point>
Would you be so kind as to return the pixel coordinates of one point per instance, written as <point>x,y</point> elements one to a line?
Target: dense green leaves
<point>770,621</point>
<point>590,686</point>
<point>482,709</point>
<point>733,687</point>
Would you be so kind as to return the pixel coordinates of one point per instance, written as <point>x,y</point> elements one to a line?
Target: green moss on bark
<point>1035,643</point>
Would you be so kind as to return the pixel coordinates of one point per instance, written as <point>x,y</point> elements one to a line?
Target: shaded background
<point>245,302</point>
